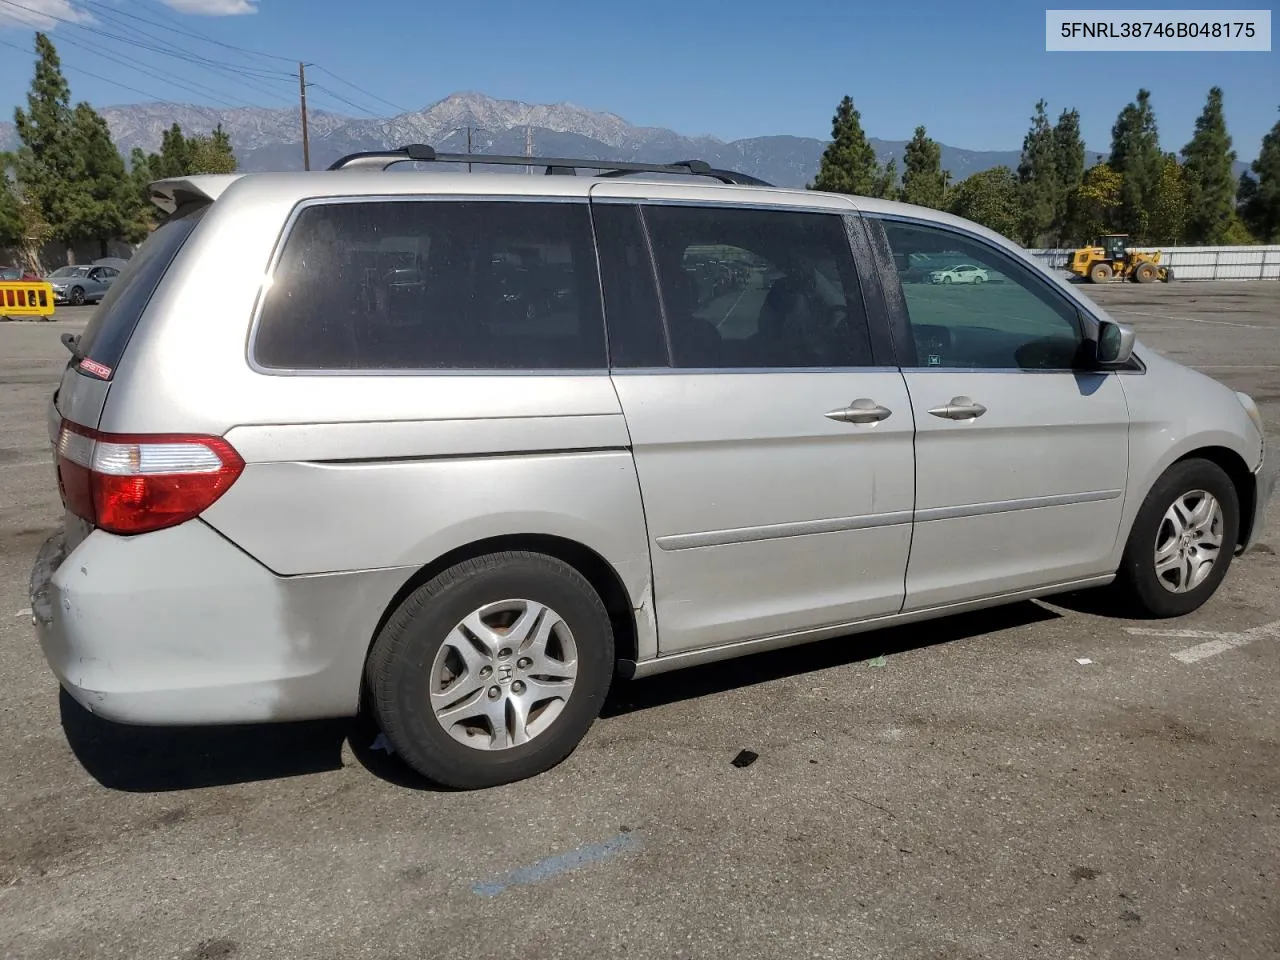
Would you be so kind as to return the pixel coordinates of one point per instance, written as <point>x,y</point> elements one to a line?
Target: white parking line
<point>1216,642</point>
<point>1170,316</point>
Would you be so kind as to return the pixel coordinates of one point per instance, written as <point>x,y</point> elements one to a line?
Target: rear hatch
<point>96,353</point>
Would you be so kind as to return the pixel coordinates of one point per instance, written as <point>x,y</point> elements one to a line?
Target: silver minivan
<point>461,448</point>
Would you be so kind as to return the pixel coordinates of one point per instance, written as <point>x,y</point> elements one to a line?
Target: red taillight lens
<point>129,484</point>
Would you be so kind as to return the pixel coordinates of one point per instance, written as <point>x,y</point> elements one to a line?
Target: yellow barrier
<point>26,298</point>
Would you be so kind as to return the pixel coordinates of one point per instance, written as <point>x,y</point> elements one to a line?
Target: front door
<point>1020,459</point>
<point>774,457</point>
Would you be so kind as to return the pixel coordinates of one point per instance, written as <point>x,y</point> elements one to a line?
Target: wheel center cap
<point>503,673</point>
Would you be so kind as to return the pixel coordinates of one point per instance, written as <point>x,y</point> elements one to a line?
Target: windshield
<point>70,272</point>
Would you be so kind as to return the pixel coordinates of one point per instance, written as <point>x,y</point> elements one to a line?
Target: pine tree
<point>886,183</point>
<point>1068,165</point>
<point>1260,198</point>
<point>174,158</point>
<point>1208,158</point>
<point>849,163</point>
<point>105,202</point>
<point>10,207</point>
<point>1038,179</point>
<point>923,181</point>
<point>46,163</point>
<point>1168,219</point>
<point>990,198</point>
<point>1136,156</point>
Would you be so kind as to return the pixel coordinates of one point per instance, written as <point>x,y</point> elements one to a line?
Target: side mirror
<point>1115,343</point>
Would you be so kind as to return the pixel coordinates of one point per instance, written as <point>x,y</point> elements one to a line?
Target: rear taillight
<point>136,483</point>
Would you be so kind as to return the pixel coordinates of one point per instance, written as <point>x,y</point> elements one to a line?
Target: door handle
<point>960,408</point>
<point>861,410</point>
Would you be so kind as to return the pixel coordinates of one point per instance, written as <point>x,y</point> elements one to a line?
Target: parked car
<point>78,285</point>
<point>11,274</point>
<point>962,273</point>
<point>302,497</point>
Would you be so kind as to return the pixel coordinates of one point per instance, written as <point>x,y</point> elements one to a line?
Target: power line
<point>96,76</point>
<point>232,71</point>
<point>372,96</point>
<point>204,37</point>
<point>350,103</point>
<point>188,57</point>
<point>197,89</point>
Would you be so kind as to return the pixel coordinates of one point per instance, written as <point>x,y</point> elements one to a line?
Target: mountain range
<point>266,139</point>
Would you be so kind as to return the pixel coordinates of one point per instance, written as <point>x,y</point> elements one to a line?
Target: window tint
<point>636,338</point>
<point>973,306</point>
<point>429,285</point>
<point>758,288</point>
<point>112,324</point>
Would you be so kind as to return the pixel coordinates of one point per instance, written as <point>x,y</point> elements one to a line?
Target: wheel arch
<point>597,571</point>
<point>1242,478</point>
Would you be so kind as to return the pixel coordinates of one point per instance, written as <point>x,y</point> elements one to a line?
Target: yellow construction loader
<point>1111,259</point>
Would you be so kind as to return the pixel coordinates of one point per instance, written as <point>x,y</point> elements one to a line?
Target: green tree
<point>1098,200</point>
<point>848,163</point>
<point>174,158</point>
<point>1208,159</point>
<point>886,183</point>
<point>1168,218</point>
<point>1038,179</point>
<point>923,181</point>
<point>1136,156</point>
<point>990,198</point>
<point>210,154</point>
<point>1068,166</point>
<point>106,205</point>
<point>11,232</point>
<point>1260,198</point>
<point>46,163</point>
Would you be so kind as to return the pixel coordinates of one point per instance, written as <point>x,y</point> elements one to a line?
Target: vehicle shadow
<point>712,678</point>
<point>160,759</point>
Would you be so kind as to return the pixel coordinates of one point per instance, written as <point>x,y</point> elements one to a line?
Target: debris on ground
<point>745,758</point>
<point>879,661</point>
<point>1083,661</point>
<point>380,742</point>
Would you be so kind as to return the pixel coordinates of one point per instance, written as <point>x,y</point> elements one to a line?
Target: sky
<point>971,73</point>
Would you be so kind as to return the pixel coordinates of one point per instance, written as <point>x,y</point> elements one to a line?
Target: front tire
<point>1182,540</point>
<point>492,671</point>
<point>77,297</point>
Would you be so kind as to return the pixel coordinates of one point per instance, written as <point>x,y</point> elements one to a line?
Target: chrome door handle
<point>861,410</point>
<point>960,408</point>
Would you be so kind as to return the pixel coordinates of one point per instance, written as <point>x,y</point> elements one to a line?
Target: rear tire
<point>1182,540</point>
<point>467,707</point>
<point>1100,272</point>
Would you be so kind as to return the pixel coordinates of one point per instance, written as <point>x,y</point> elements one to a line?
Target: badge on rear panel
<point>99,370</point>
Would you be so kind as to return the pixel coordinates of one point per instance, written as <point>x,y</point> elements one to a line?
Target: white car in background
<point>961,273</point>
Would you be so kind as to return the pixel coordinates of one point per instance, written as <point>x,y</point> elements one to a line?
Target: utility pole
<point>528,147</point>
<point>468,147</point>
<point>302,94</point>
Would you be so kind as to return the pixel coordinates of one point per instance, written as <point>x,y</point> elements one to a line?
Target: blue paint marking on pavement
<point>561,863</point>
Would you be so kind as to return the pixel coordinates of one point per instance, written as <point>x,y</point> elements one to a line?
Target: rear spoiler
<point>175,192</point>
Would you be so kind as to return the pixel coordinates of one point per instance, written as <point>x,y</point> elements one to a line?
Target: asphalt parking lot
<point>957,789</point>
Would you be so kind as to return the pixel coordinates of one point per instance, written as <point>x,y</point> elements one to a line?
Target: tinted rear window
<point>113,323</point>
<point>435,285</point>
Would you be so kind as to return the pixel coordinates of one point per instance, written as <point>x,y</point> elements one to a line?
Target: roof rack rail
<point>556,166</point>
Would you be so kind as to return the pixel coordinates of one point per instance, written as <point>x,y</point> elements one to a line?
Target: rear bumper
<point>181,627</point>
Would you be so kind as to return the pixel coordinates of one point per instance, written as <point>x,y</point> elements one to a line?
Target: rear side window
<point>112,324</point>
<point>745,287</point>
<point>435,285</point>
